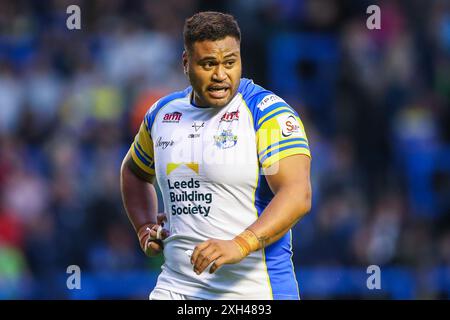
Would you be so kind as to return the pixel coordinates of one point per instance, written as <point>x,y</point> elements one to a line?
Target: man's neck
<point>195,101</point>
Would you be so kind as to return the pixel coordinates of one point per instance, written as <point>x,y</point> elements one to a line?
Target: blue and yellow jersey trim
<point>279,133</point>
<point>273,143</point>
<point>142,150</point>
<point>279,130</point>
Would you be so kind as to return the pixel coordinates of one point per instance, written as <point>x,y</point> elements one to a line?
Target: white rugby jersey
<point>208,162</point>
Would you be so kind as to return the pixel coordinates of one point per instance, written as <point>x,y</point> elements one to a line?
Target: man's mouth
<point>218,92</point>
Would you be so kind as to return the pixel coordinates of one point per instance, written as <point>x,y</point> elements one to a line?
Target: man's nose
<point>219,74</point>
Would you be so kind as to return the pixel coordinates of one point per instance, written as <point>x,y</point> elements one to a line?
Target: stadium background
<point>375,104</point>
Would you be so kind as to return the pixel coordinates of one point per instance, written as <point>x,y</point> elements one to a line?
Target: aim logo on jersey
<point>173,117</point>
<point>230,116</point>
<point>226,139</point>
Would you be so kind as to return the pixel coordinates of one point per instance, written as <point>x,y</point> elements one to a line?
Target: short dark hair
<point>209,25</point>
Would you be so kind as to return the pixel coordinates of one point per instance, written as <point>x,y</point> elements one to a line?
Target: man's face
<point>214,70</point>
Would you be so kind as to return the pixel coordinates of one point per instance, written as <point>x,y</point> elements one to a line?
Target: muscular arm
<point>292,189</point>
<point>138,194</point>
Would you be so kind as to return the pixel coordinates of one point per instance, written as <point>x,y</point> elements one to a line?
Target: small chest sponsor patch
<point>230,116</point>
<point>173,117</point>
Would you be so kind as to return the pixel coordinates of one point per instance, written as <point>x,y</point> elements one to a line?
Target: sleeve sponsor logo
<point>289,125</point>
<point>269,100</point>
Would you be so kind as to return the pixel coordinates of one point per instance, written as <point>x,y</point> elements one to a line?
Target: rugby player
<point>232,161</point>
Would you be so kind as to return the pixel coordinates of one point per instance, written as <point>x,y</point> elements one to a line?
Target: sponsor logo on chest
<point>173,117</point>
<point>160,143</point>
<point>187,197</point>
<point>230,116</point>
<point>197,125</point>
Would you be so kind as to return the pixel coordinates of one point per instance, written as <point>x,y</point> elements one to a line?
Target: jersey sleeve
<point>279,131</point>
<point>142,149</point>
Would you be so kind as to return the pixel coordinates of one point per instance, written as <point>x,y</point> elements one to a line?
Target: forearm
<point>287,207</point>
<point>138,196</point>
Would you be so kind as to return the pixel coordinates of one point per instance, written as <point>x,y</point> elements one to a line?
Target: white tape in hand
<point>158,233</point>
<point>149,238</point>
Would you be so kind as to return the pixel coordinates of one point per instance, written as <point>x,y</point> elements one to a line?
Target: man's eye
<point>229,63</point>
<point>207,65</point>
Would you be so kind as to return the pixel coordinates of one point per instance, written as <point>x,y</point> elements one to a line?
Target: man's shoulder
<point>163,101</point>
<point>250,90</point>
<point>257,98</point>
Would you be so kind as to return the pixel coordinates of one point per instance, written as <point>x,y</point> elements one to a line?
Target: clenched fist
<point>151,235</point>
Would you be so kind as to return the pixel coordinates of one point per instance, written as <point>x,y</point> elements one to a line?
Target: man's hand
<point>150,238</point>
<point>220,251</point>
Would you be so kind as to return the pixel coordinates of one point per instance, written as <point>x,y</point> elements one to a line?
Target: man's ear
<point>185,62</point>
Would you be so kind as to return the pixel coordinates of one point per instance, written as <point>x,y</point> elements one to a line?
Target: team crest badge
<point>226,139</point>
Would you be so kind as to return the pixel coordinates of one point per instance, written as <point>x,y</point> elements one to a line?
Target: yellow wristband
<point>247,242</point>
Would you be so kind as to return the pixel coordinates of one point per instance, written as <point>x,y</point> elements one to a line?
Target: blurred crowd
<point>376,110</point>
